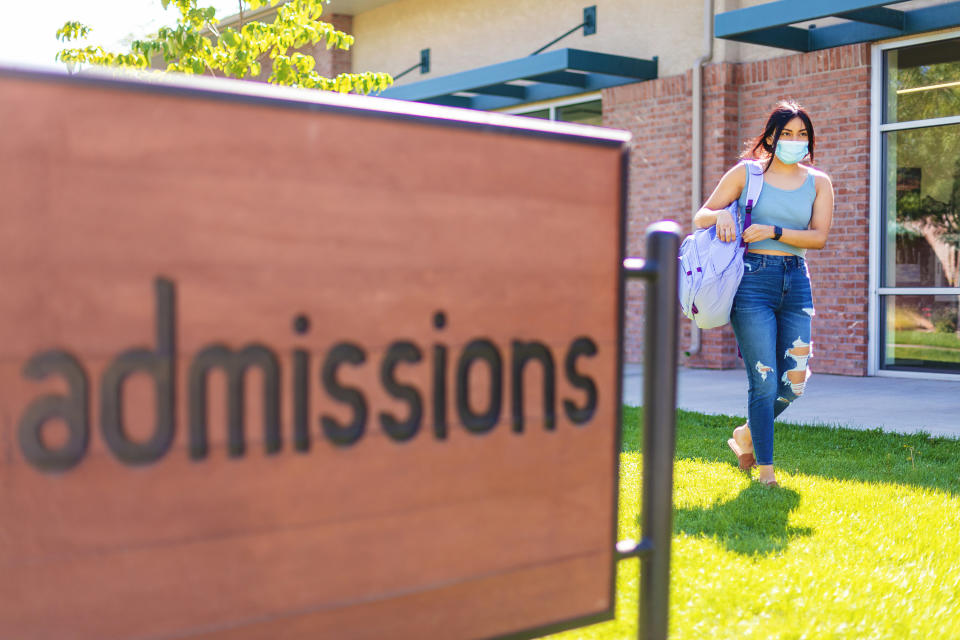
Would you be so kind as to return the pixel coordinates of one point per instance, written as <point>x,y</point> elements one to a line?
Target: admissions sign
<point>302,366</point>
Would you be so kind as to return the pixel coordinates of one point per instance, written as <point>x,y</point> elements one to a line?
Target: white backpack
<point>711,270</point>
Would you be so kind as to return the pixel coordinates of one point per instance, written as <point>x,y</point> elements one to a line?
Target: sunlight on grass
<point>862,540</point>
<point>817,558</point>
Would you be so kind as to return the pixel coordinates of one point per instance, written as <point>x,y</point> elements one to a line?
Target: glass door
<point>919,288</point>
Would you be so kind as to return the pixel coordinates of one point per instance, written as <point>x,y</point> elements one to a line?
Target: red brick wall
<point>721,149</point>
<point>657,113</point>
<point>834,86</point>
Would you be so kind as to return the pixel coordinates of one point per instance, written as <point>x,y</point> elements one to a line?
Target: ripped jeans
<point>771,318</point>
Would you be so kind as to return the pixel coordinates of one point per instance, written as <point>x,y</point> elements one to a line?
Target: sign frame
<point>658,270</point>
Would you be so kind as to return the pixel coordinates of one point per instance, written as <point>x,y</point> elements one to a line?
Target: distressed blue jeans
<point>771,318</point>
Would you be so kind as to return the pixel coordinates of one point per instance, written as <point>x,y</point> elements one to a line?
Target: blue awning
<point>863,21</point>
<point>540,77</point>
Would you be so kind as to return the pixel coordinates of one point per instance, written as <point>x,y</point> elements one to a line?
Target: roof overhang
<point>771,24</point>
<point>540,77</point>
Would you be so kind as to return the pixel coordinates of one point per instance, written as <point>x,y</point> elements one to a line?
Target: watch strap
<point>777,232</point>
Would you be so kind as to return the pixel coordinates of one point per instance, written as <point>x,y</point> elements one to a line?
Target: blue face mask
<point>791,151</point>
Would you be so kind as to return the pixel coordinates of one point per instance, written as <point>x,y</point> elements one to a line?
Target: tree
<point>195,45</point>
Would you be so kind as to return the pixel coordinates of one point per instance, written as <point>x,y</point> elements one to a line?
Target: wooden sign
<point>304,366</point>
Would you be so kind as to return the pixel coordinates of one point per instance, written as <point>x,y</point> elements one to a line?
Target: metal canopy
<point>864,21</point>
<point>541,77</point>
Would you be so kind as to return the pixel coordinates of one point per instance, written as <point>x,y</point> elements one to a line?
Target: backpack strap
<point>753,186</point>
<point>754,183</point>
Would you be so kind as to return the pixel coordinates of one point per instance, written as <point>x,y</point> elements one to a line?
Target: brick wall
<point>657,113</point>
<point>834,86</point>
<point>721,149</point>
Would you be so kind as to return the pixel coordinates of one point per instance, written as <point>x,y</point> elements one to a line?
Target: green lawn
<point>928,338</point>
<point>924,355</point>
<point>926,346</point>
<point>862,540</point>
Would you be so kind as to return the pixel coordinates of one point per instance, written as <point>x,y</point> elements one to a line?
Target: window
<point>588,111</point>
<point>919,279</point>
<point>583,112</point>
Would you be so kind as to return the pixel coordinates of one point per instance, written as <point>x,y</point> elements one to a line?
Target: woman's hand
<point>726,229</point>
<point>758,232</point>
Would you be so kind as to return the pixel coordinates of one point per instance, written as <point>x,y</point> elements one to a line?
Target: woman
<point>773,308</point>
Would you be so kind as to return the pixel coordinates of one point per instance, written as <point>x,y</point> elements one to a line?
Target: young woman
<point>773,308</point>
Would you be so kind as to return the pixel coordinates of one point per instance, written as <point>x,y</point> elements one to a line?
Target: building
<point>692,81</point>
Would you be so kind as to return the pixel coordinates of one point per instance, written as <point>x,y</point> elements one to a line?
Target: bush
<point>946,323</point>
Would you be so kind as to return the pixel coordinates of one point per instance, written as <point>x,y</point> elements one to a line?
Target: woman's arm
<point>813,237</point>
<point>728,190</point>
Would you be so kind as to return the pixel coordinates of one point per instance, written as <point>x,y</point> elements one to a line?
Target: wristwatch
<point>777,232</point>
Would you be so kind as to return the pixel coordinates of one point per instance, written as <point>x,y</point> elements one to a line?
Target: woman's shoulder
<point>737,174</point>
<point>819,176</point>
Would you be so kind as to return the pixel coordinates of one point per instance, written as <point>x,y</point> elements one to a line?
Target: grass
<point>862,540</point>
<point>917,347</point>
<point>925,354</point>
<point>928,338</point>
<point>924,346</point>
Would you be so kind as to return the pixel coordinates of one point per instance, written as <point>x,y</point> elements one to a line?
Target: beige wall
<point>466,34</point>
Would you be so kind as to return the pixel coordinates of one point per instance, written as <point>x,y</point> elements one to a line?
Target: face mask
<point>791,151</point>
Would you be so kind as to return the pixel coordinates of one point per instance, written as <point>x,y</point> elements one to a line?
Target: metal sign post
<point>659,425</point>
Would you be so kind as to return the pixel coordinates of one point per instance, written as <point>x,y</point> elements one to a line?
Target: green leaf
<point>229,36</point>
<point>187,48</point>
<point>72,30</point>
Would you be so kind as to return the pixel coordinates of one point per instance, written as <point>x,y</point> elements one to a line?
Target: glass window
<point>590,112</point>
<point>920,250</point>
<point>923,81</point>
<point>922,187</point>
<point>543,114</point>
<point>584,113</point>
<point>921,332</point>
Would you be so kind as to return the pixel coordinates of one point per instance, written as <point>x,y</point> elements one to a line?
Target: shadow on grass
<point>753,523</point>
<point>829,452</point>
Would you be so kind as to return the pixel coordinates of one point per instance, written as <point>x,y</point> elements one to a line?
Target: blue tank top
<point>787,208</point>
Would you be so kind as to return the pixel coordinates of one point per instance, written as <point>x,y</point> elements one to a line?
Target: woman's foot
<point>742,445</point>
<point>766,475</point>
<point>742,435</point>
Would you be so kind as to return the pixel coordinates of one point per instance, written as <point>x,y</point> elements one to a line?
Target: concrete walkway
<point>903,405</point>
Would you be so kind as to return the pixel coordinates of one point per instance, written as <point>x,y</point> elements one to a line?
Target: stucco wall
<point>465,34</point>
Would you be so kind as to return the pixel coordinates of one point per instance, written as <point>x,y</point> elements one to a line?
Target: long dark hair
<point>785,111</point>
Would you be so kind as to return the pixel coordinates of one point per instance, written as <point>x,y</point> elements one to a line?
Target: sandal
<point>768,483</point>
<point>745,459</point>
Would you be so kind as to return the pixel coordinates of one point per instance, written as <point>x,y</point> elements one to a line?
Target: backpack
<point>711,270</point>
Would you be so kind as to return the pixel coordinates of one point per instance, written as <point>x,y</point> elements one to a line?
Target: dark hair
<point>784,112</point>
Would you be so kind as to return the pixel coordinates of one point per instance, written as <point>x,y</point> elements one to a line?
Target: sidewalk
<point>903,405</point>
